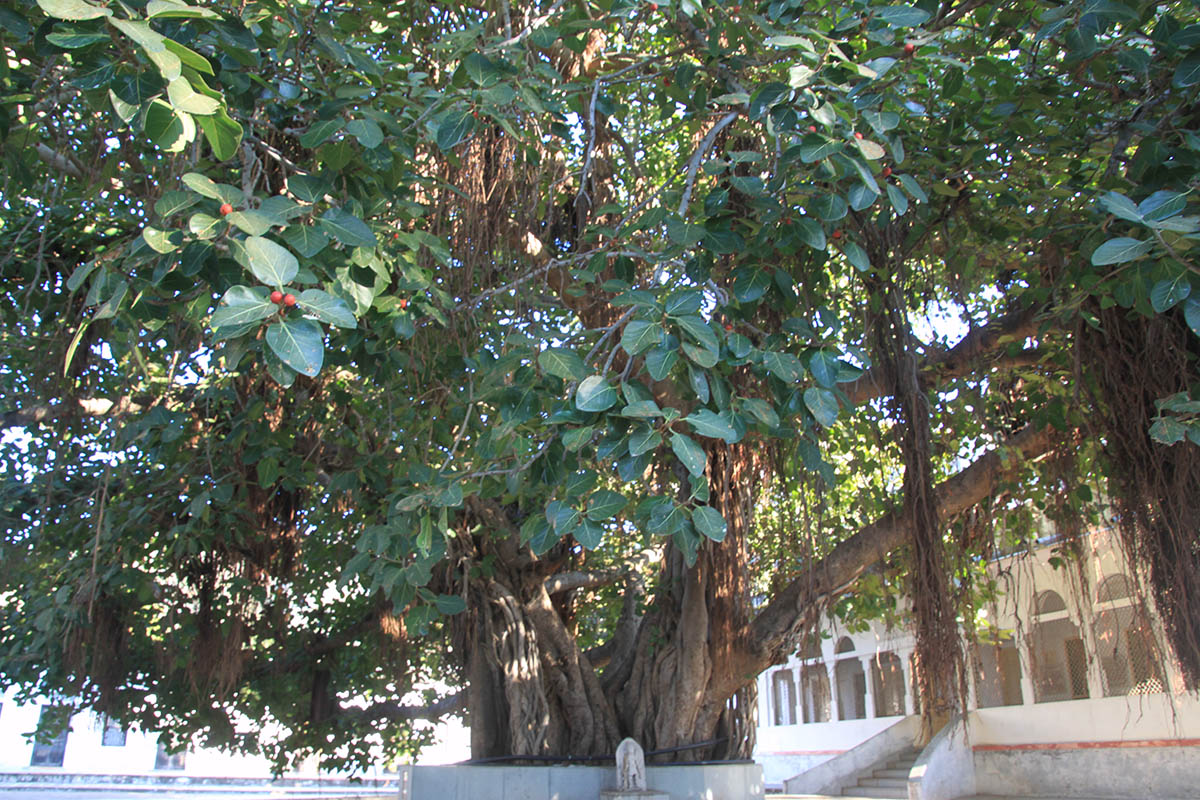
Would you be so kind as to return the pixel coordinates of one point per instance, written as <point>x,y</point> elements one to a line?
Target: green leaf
<point>308,188</point>
<point>320,132</point>
<point>450,604</point>
<point>1191,313</point>
<point>784,366</point>
<point>902,16</point>
<point>644,440</point>
<point>75,41</point>
<point>75,10</point>
<point>811,232</point>
<point>588,534</point>
<point>814,148</point>
<point>1167,430</point>
<point>870,150</point>
<point>698,329</point>
<point>172,202</point>
<point>1188,71</point>
<point>166,127</point>
<point>327,308</point>
<point>347,228</point>
<point>683,301</point>
<point>751,284</point>
<point>242,305</point>
<point>272,264</point>
<point>1120,250</point>
<point>605,504</point>
<point>307,240</point>
<point>913,188</point>
<point>454,127</point>
<point>299,343</point>
<point>824,367</point>
<point>251,221</point>
<point>897,199</point>
<point>480,69</point>
<point>1169,292</point>
<point>367,131</point>
<point>1121,206</point>
<point>823,404</point>
<point>690,454</point>
<point>184,98</point>
<point>639,336</point>
<point>595,394</point>
<point>161,241</point>
<point>856,256</point>
<point>709,522</point>
<point>830,207</point>
<point>659,362</point>
<point>762,411</point>
<point>642,409</point>
<point>713,425</point>
<point>563,363</point>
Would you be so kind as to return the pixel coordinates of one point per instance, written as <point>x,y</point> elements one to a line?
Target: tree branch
<point>86,406</point>
<point>567,581</point>
<point>394,712</point>
<point>960,360</point>
<point>791,611</point>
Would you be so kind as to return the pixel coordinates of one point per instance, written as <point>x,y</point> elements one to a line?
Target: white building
<point>1078,697</point>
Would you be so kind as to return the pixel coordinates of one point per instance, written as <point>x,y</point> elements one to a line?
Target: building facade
<point>1076,661</point>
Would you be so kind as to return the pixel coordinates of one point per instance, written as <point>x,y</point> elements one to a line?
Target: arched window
<point>1059,661</point>
<point>1129,657</point>
<point>784,688</point>
<point>814,693</point>
<point>998,675</point>
<point>851,689</point>
<point>845,645</point>
<point>1048,602</point>
<point>887,678</point>
<point>1114,587</point>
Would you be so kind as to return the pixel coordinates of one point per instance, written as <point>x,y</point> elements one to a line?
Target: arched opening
<point>814,693</point>
<point>888,683</point>
<point>1114,587</point>
<point>1129,658</point>
<point>1048,602</point>
<point>783,687</point>
<point>851,689</point>
<point>998,675</point>
<point>844,645</point>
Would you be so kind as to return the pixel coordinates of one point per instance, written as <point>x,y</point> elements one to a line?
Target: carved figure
<point>631,767</point>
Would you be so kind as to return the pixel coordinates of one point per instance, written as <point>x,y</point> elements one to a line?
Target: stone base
<point>626,794</point>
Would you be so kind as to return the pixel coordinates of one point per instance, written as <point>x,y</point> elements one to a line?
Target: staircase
<point>889,782</point>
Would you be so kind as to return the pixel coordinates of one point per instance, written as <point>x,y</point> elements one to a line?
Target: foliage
<point>549,256</point>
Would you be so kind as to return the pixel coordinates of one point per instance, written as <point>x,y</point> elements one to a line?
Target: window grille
<point>785,692</point>
<point>888,685</point>
<point>1129,658</point>
<point>851,689</point>
<point>815,698</point>
<point>1059,662</point>
<point>998,675</point>
<point>49,753</point>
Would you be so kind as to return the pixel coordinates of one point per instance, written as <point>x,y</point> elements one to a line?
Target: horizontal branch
<point>794,608</point>
<point>394,712</point>
<point>960,360</point>
<point>567,581</point>
<point>86,406</point>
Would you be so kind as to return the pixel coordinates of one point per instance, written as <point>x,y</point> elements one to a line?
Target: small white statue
<point>631,767</point>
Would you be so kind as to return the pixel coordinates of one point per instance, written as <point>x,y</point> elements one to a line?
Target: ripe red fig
<point>226,209</point>
<point>289,300</point>
<point>276,297</point>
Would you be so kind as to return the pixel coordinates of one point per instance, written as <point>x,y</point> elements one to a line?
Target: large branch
<point>394,712</point>
<point>960,360</point>
<point>791,611</point>
<point>566,581</point>
<point>85,406</point>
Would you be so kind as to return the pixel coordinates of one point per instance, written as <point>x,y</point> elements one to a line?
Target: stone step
<point>899,772</point>
<point>885,792</point>
<point>895,783</point>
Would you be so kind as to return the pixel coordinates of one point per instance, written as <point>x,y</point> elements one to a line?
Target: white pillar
<point>834,700</point>
<point>1087,627</point>
<point>1027,689</point>
<point>869,684</point>
<point>910,707</point>
<point>769,697</point>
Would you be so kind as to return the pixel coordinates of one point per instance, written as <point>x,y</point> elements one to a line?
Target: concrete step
<point>895,783</point>
<point>899,772</point>
<point>886,792</point>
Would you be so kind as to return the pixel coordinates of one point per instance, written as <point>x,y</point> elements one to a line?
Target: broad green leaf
<point>644,440</point>
<point>823,404</point>
<point>595,394</point>
<point>320,132</point>
<point>161,241</point>
<point>307,240</point>
<point>167,127</point>
<point>784,366</point>
<point>75,10</point>
<point>897,199</point>
<point>1169,292</point>
<point>367,131</point>
<point>1121,206</point>
<point>184,98</point>
<point>563,363</point>
<point>639,336</point>
<point>811,233</point>
<point>250,221</point>
<point>689,453</point>
<point>861,196</point>
<point>751,284</point>
<point>816,148</point>
<point>762,411</point>
<point>203,185</point>
<point>913,188</point>
<point>243,305</point>
<point>870,150</point>
<point>830,207</point>
<point>174,8</point>
<point>1120,250</point>
<point>326,308</point>
<point>856,256</point>
<point>1167,430</point>
<point>1191,313</point>
<point>713,425</point>
<point>642,409</point>
<point>450,604</point>
<point>824,367</point>
<point>1188,71</point>
<point>347,228</point>
<point>683,301</point>
<point>272,264</point>
<point>709,522</point>
<point>605,504</point>
<point>659,362</point>
<point>173,202</point>
<point>308,188</point>
<point>577,437</point>
<point>299,343</point>
<point>455,126</point>
<point>901,16</point>
<point>74,41</point>
<point>700,330</point>
<point>589,534</point>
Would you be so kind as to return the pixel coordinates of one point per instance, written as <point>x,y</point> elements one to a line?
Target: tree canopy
<point>578,356</point>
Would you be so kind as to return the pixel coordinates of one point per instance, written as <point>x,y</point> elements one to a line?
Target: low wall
<point>946,767</point>
<point>701,782</point>
<point>842,770</point>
